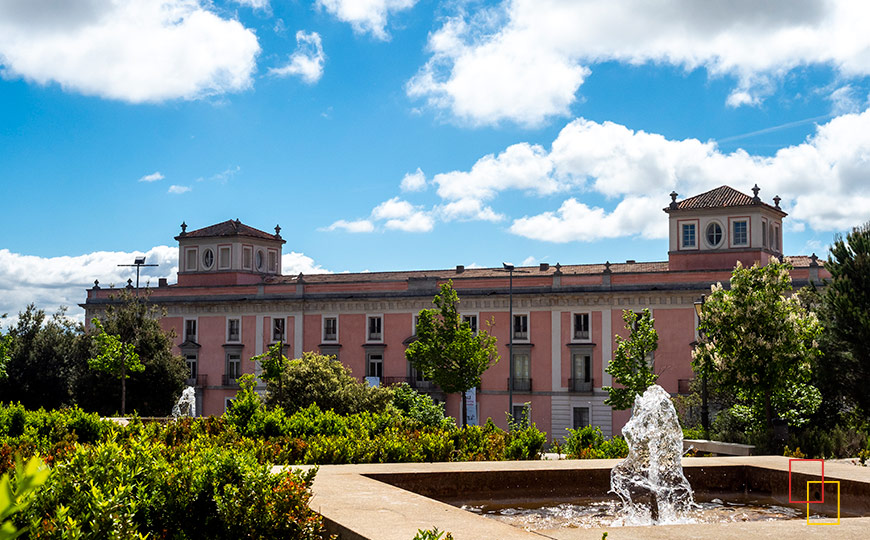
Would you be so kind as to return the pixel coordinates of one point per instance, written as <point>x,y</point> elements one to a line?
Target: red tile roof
<point>721,197</point>
<point>229,228</point>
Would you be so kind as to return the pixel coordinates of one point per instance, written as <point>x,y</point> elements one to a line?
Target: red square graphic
<point>822,461</point>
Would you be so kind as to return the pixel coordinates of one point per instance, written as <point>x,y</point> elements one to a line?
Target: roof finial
<point>277,231</point>
<point>776,201</point>
<point>130,283</point>
<point>96,283</point>
<point>607,269</point>
<point>755,191</point>
<point>558,269</point>
<point>183,228</point>
<point>673,199</point>
<point>814,261</point>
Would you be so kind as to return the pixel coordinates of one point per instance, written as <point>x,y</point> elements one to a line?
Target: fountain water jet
<point>186,405</point>
<point>650,480</point>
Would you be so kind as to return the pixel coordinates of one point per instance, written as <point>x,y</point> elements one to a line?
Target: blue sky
<point>403,134</point>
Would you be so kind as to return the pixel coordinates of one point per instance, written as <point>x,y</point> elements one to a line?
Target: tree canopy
<point>757,342</point>
<point>633,361</point>
<point>447,351</point>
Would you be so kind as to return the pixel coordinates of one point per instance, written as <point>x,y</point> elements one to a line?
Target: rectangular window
<point>190,260</point>
<point>777,239</point>
<point>581,326</point>
<point>764,233</point>
<point>522,415</point>
<point>689,235</point>
<point>522,372</point>
<point>190,330</point>
<point>273,261</point>
<point>375,329</point>
<point>234,330</point>
<point>330,328</point>
<point>224,259</point>
<point>278,329</point>
<point>191,361</point>
<point>472,322</point>
<point>234,368</point>
<point>416,320</point>
<point>581,372</point>
<point>521,327</point>
<point>375,367</point>
<point>247,257</point>
<point>740,233</point>
<point>581,417</point>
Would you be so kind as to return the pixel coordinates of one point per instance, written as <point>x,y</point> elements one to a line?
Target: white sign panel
<point>471,407</point>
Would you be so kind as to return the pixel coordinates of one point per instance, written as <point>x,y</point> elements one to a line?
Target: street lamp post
<point>705,411</point>
<point>138,263</point>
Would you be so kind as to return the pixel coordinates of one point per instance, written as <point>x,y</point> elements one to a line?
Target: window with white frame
<point>273,261</point>
<point>764,233</point>
<point>581,371</point>
<point>208,258</point>
<point>688,236</point>
<point>375,331</point>
<point>247,257</point>
<point>278,329</point>
<point>581,326</point>
<point>330,328</point>
<point>778,238</point>
<point>233,367</point>
<point>224,257</point>
<point>190,330</point>
<point>521,327</point>
<point>472,322</point>
<point>191,359</point>
<point>234,330</point>
<point>522,371</point>
<point>190,260</point>
<point>714,234</point>
<point>260,260</point>
<point>740,232</point>
<point>414,328</point>
<point>375,365</point>
<point>581,417</point>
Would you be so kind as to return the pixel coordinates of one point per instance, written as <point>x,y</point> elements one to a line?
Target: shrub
<point>589,443</point>
<point>418,407</point>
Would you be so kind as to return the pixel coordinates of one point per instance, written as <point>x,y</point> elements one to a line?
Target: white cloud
<point>153,177</point>
<point>292,263</point>
<point>50,282</point>
<point>481,62</point>
<point>467,210</point>
<point>177,190</point>
<point>307,61</point>
<point>127,50</point>
<point>254,4</point>
<point>415,181</point>
<point>366,16</point>
<point>358,226</point>
<point>403,216</point>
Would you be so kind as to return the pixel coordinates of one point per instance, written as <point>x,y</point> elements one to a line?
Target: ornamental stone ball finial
<point>130,283</point>
<point>776,201</point>
<point>607,267</point>
<point>814,261</point>
<point>96,283</point>
<point>673,199</point>
<point>558,269</point>
<point>278,231</point>
<point>755,191</point>
<point>183,227</point>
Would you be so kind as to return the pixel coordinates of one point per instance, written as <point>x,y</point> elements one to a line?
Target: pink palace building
<point>232,302</point>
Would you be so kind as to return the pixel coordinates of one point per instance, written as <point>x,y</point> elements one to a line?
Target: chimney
<point>545,267</point>
<point>460,268</point>
<point>161,282</point>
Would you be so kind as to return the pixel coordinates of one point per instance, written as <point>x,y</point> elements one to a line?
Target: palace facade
<point>231,302</point>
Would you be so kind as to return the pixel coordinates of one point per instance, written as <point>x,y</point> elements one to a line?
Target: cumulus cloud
<point>293,263</point>
<point>415,181</point>
<point>481,61</point>
<point>127,50</point>
<point>153,177</point>
<point>254,4</point>
<point>50,282</point>
<point>178,190</point>
<point>366,16</point>
<point>307,61</point>
<point>358,226</point>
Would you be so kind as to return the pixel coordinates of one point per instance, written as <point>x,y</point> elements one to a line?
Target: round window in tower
<point>714,234</point>
<point>208,258</point>
<point>260,260</point>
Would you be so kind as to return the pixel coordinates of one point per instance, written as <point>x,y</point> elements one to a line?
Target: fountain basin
<point>393,501</point>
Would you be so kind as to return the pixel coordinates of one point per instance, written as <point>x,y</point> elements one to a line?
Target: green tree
<point>632,364</point>
<point>756,344</point>
<point>844,309</point>
<point>151,392</point>
<point>273,363</point>
<point>447,351</point>
<point>319,379</point>
<point>44,356</point>
<point>116,358</point>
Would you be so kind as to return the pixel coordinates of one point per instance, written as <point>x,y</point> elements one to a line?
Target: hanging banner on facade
<point>471,407</point>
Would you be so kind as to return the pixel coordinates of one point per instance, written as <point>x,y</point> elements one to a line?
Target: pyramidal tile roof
<point>720,197</point>
<point>229,228</point>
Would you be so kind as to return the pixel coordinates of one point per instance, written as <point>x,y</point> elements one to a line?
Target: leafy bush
<point>589,443</point>
<point>432,534</point>
<point>418,407</point>
<point>837,442</point>
<point>319,379</point>
<point>525,440</point>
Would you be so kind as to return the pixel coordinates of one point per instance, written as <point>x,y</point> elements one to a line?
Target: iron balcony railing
<point>521,384</point>
<point>413,382</point>
<point>580,385</point>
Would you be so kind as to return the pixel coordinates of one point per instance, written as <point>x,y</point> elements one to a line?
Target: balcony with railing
<point>199,381</point>
<point>413,382</point>
<point>580,385</point>
<point>521,384</point>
